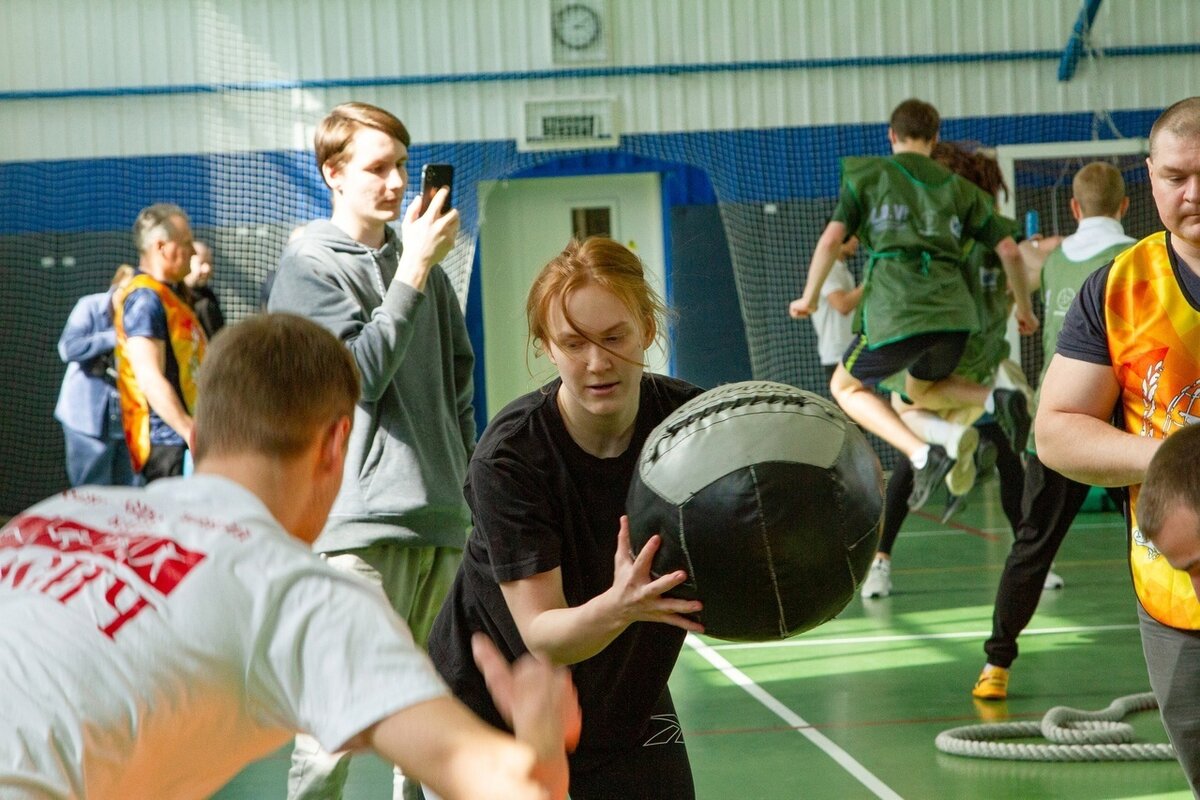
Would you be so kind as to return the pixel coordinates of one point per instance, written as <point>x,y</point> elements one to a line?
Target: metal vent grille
<point>569,124</point>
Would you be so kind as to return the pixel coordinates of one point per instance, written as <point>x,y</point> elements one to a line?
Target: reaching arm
<point>825,253</point>
<point>1014,269</point>
<point>446,747</point>
<point>567,635</point>
<point>1074,435</point>
<point>1034,252</point>
<point>148,359</point>
<point>442,744</point>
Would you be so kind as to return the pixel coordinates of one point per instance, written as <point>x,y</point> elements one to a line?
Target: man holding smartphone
<point>400,519</point>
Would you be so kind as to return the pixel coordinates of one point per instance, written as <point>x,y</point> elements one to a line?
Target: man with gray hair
<point>160,344</point>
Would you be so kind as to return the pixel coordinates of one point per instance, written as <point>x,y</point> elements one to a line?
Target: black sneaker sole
<point>936,478</point>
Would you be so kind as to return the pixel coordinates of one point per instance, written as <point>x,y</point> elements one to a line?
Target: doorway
<point>523,224</point>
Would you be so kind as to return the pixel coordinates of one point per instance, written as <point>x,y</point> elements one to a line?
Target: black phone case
<point>434,177</point>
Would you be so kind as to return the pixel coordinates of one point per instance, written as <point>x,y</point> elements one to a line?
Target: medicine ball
<point>769,498</point>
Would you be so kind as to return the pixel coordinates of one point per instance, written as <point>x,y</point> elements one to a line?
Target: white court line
<point>857,770</point>
<point>918,637</point>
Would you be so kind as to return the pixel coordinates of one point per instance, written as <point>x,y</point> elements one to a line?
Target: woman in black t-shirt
<point>548,567</point>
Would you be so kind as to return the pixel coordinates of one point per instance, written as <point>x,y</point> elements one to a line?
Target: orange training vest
<point>186,340</point>
<point>1154,342</point>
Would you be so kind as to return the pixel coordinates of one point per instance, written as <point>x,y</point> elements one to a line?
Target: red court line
<point>958,526</point>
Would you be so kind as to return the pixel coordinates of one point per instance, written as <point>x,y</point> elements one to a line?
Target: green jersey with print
<point>913,217</point>
<point>988,346</point>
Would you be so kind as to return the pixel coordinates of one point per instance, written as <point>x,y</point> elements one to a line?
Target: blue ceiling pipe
<point>1074,48</point>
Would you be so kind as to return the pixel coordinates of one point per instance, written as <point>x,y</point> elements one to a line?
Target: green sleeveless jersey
<point>1061,279</point>
<point>913,218</point>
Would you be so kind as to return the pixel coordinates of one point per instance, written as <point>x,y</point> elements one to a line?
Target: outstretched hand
<point>530,690</point>
<point>539,701</point>
<point>639,596</point>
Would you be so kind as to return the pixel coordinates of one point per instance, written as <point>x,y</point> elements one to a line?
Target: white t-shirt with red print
<point>154,641</point>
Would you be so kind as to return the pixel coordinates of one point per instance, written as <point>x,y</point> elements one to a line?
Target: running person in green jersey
<point>960,430</point>
<point>913,217</point>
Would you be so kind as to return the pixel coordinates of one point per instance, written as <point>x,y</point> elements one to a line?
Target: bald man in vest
<point>1131,343</point>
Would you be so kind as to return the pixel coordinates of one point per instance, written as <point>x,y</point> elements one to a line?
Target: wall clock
<point>579,30</point>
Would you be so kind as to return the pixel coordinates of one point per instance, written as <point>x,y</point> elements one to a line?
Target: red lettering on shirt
<point>111,577</point>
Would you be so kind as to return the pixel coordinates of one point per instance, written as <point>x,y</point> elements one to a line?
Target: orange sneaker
<point>992,684</point>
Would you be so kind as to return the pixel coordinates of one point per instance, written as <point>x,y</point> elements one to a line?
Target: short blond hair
<point>1181,119</point>
<point>269,384</point>
<point>1099,189</point>
<point>333,141</point>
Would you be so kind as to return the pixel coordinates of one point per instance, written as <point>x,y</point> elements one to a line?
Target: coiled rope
<point>1075,735</point>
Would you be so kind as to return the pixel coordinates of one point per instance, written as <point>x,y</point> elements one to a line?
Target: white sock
<point>989,405</point>
<point>934,428</point>
<point>920,458</point>
<point>921,422</point>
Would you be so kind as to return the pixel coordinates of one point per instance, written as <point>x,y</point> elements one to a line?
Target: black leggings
<point>900,483</point>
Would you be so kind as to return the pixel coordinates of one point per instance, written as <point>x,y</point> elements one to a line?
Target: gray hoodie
<point>414,427</point>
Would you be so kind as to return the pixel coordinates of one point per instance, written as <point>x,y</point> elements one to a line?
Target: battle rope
<point>1077,736</point>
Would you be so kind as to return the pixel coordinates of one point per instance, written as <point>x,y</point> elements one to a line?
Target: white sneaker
<point>1053,581</point>
<point>961,476</point>
<point>879,580</point>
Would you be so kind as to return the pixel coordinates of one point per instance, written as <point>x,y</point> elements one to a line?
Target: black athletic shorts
<point>926,356</point>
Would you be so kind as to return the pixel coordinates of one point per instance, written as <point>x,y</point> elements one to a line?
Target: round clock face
<point>576,26</point>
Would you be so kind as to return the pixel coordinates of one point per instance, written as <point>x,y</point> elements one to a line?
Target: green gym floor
<point>850,710</point>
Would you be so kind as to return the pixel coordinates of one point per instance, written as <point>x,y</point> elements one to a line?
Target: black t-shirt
<point>539,502</point>
<point>1084,336</point>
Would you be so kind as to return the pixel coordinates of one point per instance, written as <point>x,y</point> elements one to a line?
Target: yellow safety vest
<point>1154,343</point>
<point>186,340</point>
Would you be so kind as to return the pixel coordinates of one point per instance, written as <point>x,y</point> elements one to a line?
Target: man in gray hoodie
<point>400,519</point>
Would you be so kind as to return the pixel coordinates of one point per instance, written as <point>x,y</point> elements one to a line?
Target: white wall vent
<point>569,124</point>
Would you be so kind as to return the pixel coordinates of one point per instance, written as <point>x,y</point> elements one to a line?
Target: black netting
<point>64,228</point>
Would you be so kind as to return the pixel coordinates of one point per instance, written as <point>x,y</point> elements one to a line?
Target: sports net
<point>64,229</point>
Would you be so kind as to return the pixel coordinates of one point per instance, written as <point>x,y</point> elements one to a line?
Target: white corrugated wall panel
<point>71,45</point>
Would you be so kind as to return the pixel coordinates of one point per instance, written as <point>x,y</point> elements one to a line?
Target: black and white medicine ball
<point>770,499</point>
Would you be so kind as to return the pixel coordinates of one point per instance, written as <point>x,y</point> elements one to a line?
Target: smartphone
<point>434,177</point>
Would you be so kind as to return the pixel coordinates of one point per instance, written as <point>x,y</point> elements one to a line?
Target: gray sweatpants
<point>1173,661</point>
